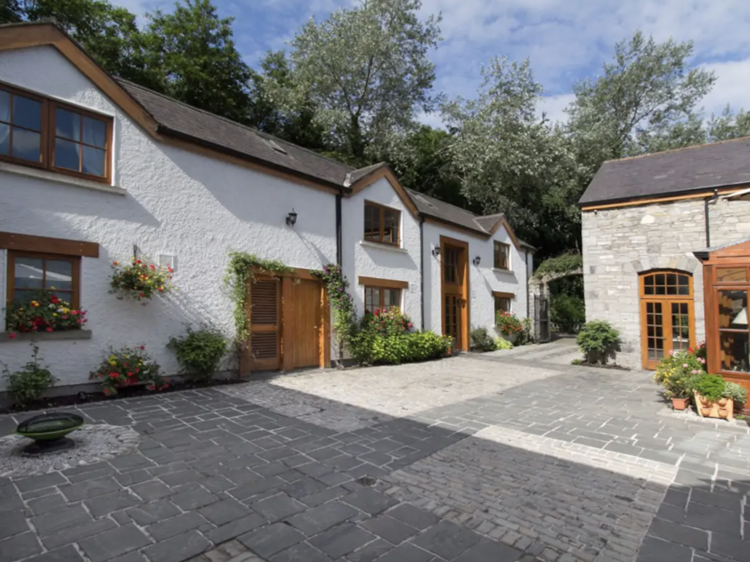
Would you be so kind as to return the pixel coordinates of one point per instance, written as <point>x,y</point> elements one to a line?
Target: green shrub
<point>568,313</point>
<point>30,382</point>
<point>597,340</point>
<point>481,340</point>
<point>371,348</point>
<point>711,387</point>
<point>736,392</point>
<point>199,352</point>
<point>501,343</point>
<point>127,366</point>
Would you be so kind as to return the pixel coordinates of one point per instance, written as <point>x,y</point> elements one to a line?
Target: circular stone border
<point>94,443</point>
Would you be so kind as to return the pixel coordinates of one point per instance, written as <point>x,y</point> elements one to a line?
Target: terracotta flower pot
<point>680,403</point>
<point>723,408</point>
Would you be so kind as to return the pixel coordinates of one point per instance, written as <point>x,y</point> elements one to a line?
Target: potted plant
<point>509,325</point>
<point>128,366</point>
<point>710,398</point>
<point>677,373</point>
<point>46,312</point>
<point>737,393</point>
<point>140,280</point>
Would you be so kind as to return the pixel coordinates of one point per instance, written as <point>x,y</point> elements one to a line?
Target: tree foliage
<point>366,71</point>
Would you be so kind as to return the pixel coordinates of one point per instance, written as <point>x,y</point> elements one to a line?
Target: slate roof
<point>202,127</point>
<point>673,172</point>
<point>452,214</point>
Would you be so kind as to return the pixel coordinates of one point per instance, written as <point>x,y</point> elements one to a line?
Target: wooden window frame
<point>381,222</point>
<point>48,136</point>
<point>506,248</point>
<point>13,255</point>
<point>664,300</point>
<point>383,285</point>
<point>510,297</point>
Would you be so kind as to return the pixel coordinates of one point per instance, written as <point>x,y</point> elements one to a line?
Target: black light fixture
<point>436,251</point>
<point>477,260</point>
<point>291,218</point>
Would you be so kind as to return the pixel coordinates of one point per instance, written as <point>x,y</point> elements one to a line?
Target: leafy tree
<point>729,125</point>
<point>422,161</point>
<point>198,63</point>
<point>10,11</point>
<point>266,111</point>
<point>366,69</point>
<point>511,161</point>
<point>108,33</point>
<point>645,100</point>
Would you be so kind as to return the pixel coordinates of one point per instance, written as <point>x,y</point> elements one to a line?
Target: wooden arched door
<point>667,314</point>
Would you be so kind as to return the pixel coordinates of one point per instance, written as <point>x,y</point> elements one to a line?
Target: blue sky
<point>566,40</point>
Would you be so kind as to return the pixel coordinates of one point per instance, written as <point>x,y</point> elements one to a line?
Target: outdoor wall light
<point>477,260</point>
<point>436,251</point>
<point>291,218</point>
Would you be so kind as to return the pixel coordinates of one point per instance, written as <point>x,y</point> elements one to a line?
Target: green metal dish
<point>48,427</point>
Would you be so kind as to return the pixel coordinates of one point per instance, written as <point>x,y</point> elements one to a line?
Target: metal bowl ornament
<point>49,431</point>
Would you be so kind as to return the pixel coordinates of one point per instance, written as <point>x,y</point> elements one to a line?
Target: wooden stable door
<point>265,324</point>
<point>454,288</point>
<point>303,336</point>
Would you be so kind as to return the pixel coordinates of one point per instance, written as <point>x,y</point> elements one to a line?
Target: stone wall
<point>618,244</point>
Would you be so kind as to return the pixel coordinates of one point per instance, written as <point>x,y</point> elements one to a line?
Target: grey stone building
<point>653,228</point>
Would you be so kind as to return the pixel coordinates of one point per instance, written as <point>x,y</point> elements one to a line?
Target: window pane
<point>683,282</point>
<point>67,124</point>
<point>4,106</point>
<point>93,161</point>
<point>4,138</point>
<point>374,299</point>
<point>734,352</point>
<point>390,230</point>
<point>372,223</point>
<point>66,154</point>
<point>23,296</point>
<point>94,132</point>
<point>59,275</point>
<point>733,309</point>
<point>27,113</point>
<point>26,145</point>
<point>731,275</point>
<point>680,326</point>
<point>392,297</point>
<point>29,273</point>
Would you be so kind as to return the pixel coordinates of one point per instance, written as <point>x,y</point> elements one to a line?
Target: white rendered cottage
<point>93,169</point>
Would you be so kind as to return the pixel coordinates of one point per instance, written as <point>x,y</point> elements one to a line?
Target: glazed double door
<point>666,327</point>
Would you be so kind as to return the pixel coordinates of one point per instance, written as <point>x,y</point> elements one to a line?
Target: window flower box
<point>43,314</point>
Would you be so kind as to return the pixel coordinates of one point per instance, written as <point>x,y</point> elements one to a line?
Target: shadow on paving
<point>213,469</point>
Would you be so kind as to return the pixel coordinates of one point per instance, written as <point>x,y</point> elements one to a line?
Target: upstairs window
<point>382,224</point>
<point>502,256</point>
<point>40,132</point>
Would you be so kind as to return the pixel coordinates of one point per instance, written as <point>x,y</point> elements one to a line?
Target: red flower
<point>113,375</point>
<point>138,262</point>
<point>64,316</point>
<point>151,387</point>
<point>411,325</point>
<point>170,269</point>
<point>54,299</point>
<point>11,335</point>
<point>152,266</point>
<point>141,295</point>
<point>49,329</point>
<point>143,347</point>
<point>130,374</point>
<point>74,312</point>
<point>115,263</point>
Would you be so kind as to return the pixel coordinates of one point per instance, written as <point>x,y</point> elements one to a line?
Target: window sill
<point>500,270</point>
<point>386,247</point>
<point>46,175</point>
<point>67,335</point>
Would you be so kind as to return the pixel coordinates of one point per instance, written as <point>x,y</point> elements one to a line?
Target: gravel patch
<point>94,443</point>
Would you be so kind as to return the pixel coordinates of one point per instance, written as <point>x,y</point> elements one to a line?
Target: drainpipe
<point>706,201</point>
<point>339,244</point>
<point>528,278</point>
<point>421,266</point>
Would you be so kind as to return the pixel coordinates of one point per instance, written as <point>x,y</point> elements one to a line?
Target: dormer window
<point>502,256</point>
<point>44,133</point>
<point>382,224</point>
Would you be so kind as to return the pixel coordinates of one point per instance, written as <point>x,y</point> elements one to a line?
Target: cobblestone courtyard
<point>501,457</point>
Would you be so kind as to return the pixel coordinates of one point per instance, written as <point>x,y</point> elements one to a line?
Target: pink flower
<point>684,365</point>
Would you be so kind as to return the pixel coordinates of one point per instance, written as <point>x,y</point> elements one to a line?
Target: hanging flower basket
<point>140,280</point>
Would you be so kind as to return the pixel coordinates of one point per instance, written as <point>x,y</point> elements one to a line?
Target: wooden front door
<point>303,337</point>
<point>265,324</point>
<point>454,291</point>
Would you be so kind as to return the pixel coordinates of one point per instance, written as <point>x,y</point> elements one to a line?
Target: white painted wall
<point>483,279</point>
<point>177,203</point>
<point>366,259</point>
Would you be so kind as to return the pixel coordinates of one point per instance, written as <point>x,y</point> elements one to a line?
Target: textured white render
<point>379,261</point>
<point>483,279</point>
<point>177,203</point>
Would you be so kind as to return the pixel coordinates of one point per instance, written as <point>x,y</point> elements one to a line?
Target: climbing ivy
<point>566,263</point>
<point>240,272</point>
<point>344,314</point>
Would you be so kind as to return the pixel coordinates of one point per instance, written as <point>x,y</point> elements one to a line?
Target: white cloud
<point>553,107</point>
<point>732,86</point>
